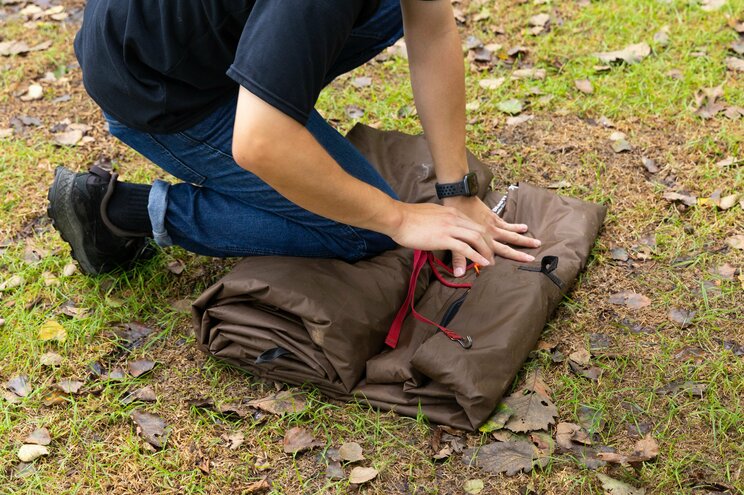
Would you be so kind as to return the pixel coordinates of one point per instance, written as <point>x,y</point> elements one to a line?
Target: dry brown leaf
<point>298,440</point>
<point>29,453</point>
<point>580,357</point>
<point>736,241</point>
<point>260,486</point>
<point>234,440</point>
<point>584,85</point>
<point>39,436</point>
<point>19,385</point>
<point>151,427</point>
<point>140,367</point>
<point>50,359</point>
<point>284,402</point>
<point>351,452</point>
<point>630,299</point>
<point>616,487</point>
<point>530,411</point>
<point>70,386</point>
<point>360,475</point>
<point>631,54</point>
<point>509,458</point>
<point>491,83</point>
<point>681,317</point>
<point>68,138</point>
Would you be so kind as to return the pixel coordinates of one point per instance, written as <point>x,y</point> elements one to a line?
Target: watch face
<point>471,181</point>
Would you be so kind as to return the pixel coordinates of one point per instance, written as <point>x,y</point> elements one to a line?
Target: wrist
<point>390,217</point>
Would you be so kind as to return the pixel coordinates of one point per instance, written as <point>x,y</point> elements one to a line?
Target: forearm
<point>286,156</point>
<point>438,80</point>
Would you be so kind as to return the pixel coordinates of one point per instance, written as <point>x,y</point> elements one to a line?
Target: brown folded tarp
<point>324,322</point>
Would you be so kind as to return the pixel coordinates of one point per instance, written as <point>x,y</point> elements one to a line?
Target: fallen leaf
<point>234,440</point>
<point>649,165</point>
<point>646,449</point>
<point>584,85</point>
<point>568,433</point>
<point>535,382</point>
<point>695,389</point>
<point>140,367</point>
<point>736,241</point>
<point>631,54</point>
<point>530,73</point>
<point>360,475</point>
<point>561,184</point>
<point>498,419</point>
<point>176,267</point>
<point>512,106</point>
<point>621,146</point>
<point>491,83</point>
<point>50,359</point>
<point>630,299</point>
<point>351,452</point>
<point>354,112</point>
<point>530,411</point>
<point>145,394</point>
<point>29,453</point>
<point>298,439</point>
<point>52,330</point>
<point>6,132</point>
<point>39,436</point>
<point>661,37</point>
<point>735,64</point>
<point>285,402</point>
<point>503,457</point>
<point>616,487</point>
<point>69,269</point>
<point>260,486</point>
<point>361,82</point>
<point>19,385</point>
<point>151,427</point>
<point>519,119</point>
<point>8,48</point>
<point>619,254</point>
<point>473,487</point>
<point>681,317</point>
<point>11,283</point>
<point>683,197</point>
<point>68,138</point>
<point>580,357</point>
<point>69,386</point>
<point>34,92</point>
<point>539,20</point>
<point>334,471</point>
<point>132,335</point>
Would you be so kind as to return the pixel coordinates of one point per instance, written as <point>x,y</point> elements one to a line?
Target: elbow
<point>252,151</point>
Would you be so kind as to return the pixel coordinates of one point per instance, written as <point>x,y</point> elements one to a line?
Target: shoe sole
<point>63,217</point>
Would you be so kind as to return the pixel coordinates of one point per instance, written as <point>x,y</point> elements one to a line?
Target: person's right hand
<point>432,227</point>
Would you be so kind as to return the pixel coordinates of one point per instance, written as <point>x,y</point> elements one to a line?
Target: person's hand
<point>498,233</point>
<point>430,227</point>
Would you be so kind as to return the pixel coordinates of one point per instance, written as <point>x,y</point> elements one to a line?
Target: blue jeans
<point>223,210</point>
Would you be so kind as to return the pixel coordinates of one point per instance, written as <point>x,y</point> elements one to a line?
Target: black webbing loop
<point>548,264</point>
<point>271,354</point>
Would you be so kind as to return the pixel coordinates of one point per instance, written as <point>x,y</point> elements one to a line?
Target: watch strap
<point>451,189</point>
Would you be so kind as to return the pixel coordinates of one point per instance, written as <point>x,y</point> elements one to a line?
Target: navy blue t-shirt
<point>163,65</point>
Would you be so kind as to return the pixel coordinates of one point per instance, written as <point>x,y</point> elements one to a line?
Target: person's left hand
<point>498,232</point>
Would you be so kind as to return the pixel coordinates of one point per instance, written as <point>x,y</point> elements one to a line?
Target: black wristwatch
<point>468,186</point>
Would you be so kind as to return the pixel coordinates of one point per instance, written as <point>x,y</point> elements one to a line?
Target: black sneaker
<point>77,207</point>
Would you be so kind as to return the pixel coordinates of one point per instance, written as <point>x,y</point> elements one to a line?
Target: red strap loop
<point>420,258</point>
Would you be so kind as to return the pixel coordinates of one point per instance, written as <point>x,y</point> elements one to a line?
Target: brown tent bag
<point>326,322</point>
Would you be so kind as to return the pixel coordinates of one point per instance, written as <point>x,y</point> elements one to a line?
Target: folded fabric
<point>325,322</point>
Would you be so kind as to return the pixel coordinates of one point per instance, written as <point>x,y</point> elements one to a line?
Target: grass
<point>95,448</point>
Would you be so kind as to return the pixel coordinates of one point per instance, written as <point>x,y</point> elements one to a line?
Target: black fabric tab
<point>548,265</point>
<point>271,355</point>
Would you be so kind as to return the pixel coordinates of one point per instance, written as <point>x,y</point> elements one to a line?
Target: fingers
<point>459,264</point>
<point>479,242</point>
<point>510,237</point>
<point>512,254</point>
<point>512,227</point>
